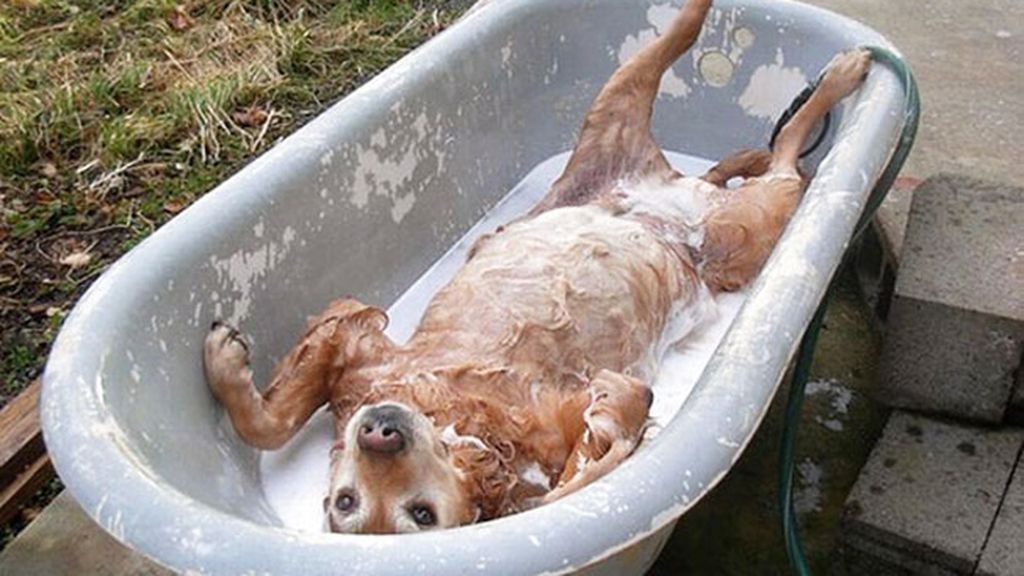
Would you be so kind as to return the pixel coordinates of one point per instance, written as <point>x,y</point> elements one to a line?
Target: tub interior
<point>366,198</point>
<point>294,479</point>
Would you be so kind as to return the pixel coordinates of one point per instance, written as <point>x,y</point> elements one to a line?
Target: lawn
<point>115,115</point>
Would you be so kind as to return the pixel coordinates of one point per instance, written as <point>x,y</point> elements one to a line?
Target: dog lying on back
<point>535,361</point>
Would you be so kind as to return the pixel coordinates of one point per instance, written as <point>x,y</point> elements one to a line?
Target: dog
<point>528,376</point>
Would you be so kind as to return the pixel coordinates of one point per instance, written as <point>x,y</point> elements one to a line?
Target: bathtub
<point>363,200</point>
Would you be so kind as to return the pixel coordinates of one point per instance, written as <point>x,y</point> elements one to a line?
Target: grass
<point>117,114</point>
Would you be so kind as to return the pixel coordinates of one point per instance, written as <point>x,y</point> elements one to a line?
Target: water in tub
<point>295,477</point>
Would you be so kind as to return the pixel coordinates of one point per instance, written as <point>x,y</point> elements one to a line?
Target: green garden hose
<point>805,354</point>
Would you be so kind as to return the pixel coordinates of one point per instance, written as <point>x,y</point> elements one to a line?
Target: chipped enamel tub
<point>362,201</point>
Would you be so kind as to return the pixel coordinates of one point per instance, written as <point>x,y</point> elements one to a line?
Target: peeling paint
<point>659,16</point>
<point>771,89</point>
<point>385,169</point>
<point>240,272</point>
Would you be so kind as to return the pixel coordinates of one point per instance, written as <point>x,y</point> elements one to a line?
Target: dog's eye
<point>345,503</point>
<point>423,515</point>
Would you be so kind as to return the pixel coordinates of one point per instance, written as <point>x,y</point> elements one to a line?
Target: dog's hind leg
<point>742,164</point>
<point>302,381</point>
<point>741,232</point>
<point>614,424</point>
<point>615,141</point>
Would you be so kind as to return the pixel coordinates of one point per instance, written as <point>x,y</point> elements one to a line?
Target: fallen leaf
<point>179,19</point>
<point>76,259</point>
<point>250,117</point>
<point>30,514</point>
<point>174,206</point>
<point>49,170</point>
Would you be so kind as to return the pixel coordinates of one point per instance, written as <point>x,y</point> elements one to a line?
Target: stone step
<point>878,252</point>
<point>927,498</point>
<point>955,329</point>
<point>1004,551</point>
<point>63,540</point>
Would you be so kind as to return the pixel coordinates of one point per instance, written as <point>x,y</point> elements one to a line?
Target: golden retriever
<point>538,354</point>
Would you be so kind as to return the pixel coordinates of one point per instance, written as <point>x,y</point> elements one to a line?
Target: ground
<point>115,115</point>
<point>840,422</point>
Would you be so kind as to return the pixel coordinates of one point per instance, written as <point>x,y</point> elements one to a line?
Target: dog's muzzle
<point>384,430</point>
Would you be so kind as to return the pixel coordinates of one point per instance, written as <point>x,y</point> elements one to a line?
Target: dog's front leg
<point>301,384</point>
<point>614,423</point>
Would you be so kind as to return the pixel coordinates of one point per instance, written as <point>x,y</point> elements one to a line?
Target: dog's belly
<point>572,291</point>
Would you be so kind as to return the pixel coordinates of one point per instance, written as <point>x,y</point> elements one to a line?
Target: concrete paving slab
<point>1015,413</point>
<point>949,361</point>
<point>967,60</point>
<point>63,540</point>
<point>926,498</point>
<point>964,246</point>
<point>1004,551</point>
<point>955,334</point>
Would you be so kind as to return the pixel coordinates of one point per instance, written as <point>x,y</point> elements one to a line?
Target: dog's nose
<point>380,437</point>
<point>382,430</point>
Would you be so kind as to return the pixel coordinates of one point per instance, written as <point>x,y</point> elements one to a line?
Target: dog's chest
<point>572,289</point>
<point>677,207</point>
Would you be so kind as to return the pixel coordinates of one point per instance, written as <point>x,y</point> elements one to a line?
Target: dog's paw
<point>846,72</point>
<point>618,401</point>
<point>226,359</point>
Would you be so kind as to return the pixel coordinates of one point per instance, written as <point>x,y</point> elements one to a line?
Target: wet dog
<point>529,374</point>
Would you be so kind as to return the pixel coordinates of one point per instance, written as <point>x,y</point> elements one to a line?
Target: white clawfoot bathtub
<point>363,200</point>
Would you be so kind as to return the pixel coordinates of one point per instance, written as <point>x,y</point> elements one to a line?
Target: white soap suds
<point>533,474</point>
<point>452,438</point>
<point>295,477</point>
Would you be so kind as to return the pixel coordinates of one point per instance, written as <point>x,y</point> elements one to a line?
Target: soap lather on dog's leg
<point>301,382</point>
<point>614,424</point>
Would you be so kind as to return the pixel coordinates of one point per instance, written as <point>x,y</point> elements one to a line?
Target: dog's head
<point>392,473</point>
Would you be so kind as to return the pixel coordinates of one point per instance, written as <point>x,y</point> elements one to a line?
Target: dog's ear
<point>353,312</point>
<point>357,329</point>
